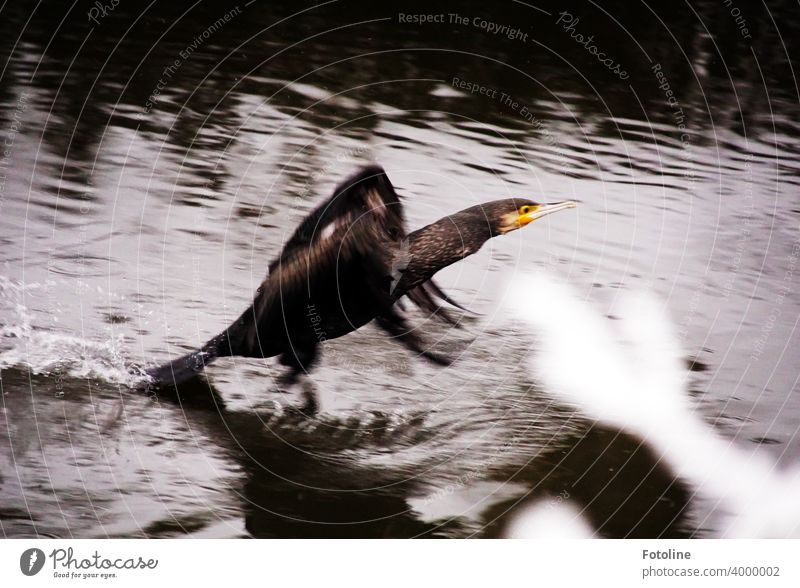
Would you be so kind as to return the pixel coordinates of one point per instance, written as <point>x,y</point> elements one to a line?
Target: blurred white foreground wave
<point>631,374</point>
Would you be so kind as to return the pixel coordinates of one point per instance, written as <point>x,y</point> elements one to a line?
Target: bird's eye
<point>525,209</point>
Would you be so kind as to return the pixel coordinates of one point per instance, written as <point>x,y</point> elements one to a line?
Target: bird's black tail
<point>187,366</point>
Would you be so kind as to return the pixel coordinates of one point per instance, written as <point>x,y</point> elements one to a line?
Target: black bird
<point>349,262</point>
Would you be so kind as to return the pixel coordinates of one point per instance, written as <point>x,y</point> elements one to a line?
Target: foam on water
<point>46,352</point>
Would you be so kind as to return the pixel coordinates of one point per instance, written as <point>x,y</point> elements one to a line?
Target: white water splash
<point>633,378</point>
<point>46,352</point>
<point>51,353</point>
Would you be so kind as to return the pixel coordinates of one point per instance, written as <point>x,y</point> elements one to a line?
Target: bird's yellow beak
<point>543,210</point>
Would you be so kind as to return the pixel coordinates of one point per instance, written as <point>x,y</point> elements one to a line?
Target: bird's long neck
<point>438,245</point>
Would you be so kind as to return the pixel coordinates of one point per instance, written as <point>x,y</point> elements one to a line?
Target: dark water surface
<point>155,160</point>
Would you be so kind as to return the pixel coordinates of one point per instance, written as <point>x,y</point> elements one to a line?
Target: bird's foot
<point>310,401</point>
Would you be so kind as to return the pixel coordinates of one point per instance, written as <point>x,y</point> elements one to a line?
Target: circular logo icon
<point>31,561</point>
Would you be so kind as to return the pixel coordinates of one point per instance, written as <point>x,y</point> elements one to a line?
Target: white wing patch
<point>328,231</point>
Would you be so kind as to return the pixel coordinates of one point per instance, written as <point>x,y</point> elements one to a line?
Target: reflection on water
<point>156,160</point>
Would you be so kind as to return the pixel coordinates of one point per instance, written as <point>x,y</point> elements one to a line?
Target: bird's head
<point>514,213</point>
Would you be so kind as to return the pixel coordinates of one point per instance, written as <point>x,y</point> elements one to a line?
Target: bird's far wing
<point>425,295</point>
<point>436,291</point>
<point>389,317</point>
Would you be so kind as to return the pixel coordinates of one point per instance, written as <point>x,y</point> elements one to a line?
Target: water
<point>135,226</point>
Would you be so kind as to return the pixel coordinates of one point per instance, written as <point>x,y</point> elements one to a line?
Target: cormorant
<point>348,263</point>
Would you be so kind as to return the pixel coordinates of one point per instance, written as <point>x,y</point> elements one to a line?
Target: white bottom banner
<point>123,562</point>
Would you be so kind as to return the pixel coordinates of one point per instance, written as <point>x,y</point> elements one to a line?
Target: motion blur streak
<point>633,378</point>
<point>545,520</point>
